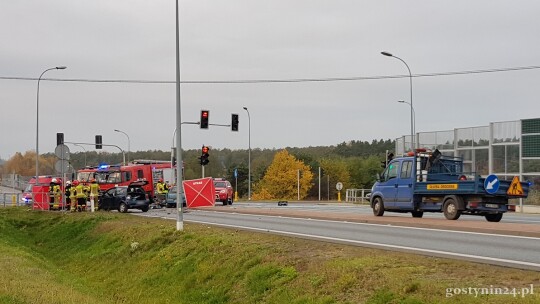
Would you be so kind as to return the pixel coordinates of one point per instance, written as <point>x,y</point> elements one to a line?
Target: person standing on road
<point>67,193</point>
<point>80,195</point>
<point>161,192</point>
<point>54,194</point>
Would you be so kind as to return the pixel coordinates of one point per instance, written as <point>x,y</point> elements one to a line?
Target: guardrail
<point>357,195</point>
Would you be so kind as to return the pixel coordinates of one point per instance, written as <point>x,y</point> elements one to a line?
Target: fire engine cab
<point>109,176</point>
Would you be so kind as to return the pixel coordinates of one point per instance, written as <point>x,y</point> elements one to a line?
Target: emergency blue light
<point>103,167</point>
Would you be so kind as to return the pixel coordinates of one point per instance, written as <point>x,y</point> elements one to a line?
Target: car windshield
<point>220,184</point>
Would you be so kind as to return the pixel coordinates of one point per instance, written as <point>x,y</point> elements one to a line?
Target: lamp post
<point>413,121</point>
<point>37,120</point>
<point>249,154</point>
<point>410,81</point>
<point>179,189</point>
<point>116,130</point>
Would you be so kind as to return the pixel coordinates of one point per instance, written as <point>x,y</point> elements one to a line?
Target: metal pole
<point>328,186</point>
<point>179,186</point>
<point>319,183</point>
<point>129,142</point>
<point>413,121</point>
<point>410,81</point>
<point>298,178</point>
<point>249,154</point>
<point>37,120</point>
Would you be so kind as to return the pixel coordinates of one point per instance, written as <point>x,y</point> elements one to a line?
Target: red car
<point>224,191</point>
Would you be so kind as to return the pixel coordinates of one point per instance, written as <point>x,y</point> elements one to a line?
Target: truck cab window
<point>391,171</point>
<point>406,169</point>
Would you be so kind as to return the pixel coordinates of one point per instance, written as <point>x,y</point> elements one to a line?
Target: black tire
<point>378,207</point>
<point>417,214</point>
<point>451,209</point>
<point>230,201</point>
<point>145,208</point>
<point>494,217</point>
<point>224,202</point>
<point>123,208</point>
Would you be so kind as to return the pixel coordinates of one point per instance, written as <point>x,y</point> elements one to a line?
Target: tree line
<point>274,172</point>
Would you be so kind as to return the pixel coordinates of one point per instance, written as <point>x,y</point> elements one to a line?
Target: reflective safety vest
<point>80,191</point>
<point>94,189</point>
<point>54,190</point>
<point>160,188</point>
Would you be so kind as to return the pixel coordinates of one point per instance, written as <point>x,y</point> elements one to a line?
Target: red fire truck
<point>109,176</point>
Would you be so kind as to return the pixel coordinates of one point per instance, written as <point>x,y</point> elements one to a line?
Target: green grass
<point>49,257</point>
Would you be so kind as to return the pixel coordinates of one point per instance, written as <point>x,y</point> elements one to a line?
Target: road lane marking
<point>390,225</point>
<point>467,257</point>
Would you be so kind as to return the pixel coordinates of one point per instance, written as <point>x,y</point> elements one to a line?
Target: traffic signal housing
<point>234,122</point>
<point>204,119</point>
<point>99,142</point>
<point>204,156</point>
<point>59,139</point>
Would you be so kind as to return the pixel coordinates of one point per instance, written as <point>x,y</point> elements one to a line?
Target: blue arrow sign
<point>491,184</point>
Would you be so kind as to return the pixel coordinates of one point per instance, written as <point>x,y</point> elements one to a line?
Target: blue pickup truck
<point>431,182</point>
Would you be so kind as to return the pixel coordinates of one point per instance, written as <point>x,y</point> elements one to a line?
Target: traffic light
<point>204,119</point>
<point>59,139</point>
<point>99,142</point>
<point>234,122</point>
<point>204,156</point>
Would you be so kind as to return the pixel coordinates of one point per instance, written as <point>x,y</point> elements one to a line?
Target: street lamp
<point>413,122</point>
<point>410,80</point>
<point>249,154</point>
<point>116,130</point>
<point>37,120</point>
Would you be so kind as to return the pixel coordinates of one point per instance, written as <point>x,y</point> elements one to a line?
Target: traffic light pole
<point>123,152</point>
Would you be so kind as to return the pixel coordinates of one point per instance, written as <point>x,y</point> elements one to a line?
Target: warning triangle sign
<point>515,187</point>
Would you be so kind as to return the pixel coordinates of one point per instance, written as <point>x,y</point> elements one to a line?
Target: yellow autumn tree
<point>25,165</point>
<point>281,179</point>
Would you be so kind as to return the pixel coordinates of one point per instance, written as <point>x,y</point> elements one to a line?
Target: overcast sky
<point>261,40</point>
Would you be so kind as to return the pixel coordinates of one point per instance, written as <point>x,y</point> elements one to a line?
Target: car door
<point>389,184</point>
<point>405,186</point>
<point>106,200</point>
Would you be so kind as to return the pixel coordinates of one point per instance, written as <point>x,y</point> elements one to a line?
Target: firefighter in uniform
<point>80,195</point>
<point>67,192</point>
<point>161,192</point>
<point>54,194</point>
<point>94,193</point>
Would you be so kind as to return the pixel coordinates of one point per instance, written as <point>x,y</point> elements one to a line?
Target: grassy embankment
<point>48,257</point>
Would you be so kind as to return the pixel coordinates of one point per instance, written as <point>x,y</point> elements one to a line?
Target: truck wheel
<point>378,207</point>
<point>494,217</point>
<point>123,208</point>
<point>230,201</point>
<point>145,208</point>
<point>417,213</point>
<point>450,209</point>
<point>224,202</point>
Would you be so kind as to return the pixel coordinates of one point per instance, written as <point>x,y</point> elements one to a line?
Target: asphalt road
<point>364,209</point>
<point>507,250</point>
